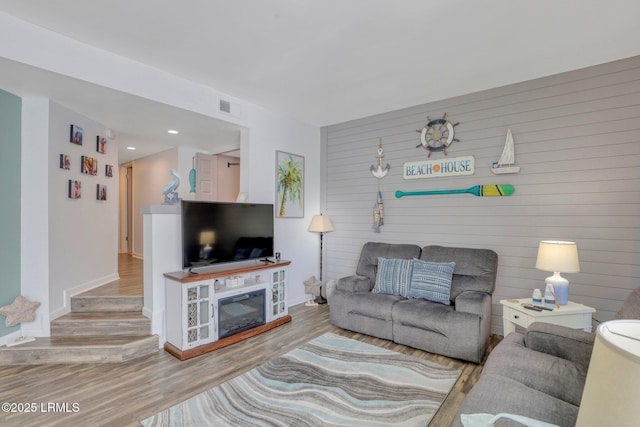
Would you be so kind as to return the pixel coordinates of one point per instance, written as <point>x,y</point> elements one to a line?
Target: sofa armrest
<point>571,344</point>
<point>473,302</point>
<point>354,283</point>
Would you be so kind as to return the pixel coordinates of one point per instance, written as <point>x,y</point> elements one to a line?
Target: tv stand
<point>192,314</point>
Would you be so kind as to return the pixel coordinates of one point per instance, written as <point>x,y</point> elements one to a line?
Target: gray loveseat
<point>539,374</point>
<point>459,330</point>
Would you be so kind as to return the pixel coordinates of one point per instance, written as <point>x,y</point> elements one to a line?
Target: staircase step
<point>101,323</point>
<point>91,303</point>
<point>79,349</point>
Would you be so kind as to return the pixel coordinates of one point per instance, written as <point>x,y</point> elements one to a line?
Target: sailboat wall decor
<point>506,164</point>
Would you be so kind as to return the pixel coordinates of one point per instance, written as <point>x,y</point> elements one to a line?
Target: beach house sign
<point>439,168</point>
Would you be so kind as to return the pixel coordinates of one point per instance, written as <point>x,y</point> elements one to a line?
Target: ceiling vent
<point>225,106</point>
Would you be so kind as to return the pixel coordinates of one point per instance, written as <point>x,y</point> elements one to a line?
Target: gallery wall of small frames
<point>87,165</point>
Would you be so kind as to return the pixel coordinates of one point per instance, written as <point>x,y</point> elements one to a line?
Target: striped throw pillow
<point>431,280</point>
<point>393,277</point>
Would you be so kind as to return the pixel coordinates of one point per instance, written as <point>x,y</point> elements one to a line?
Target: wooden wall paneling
<point>578,142</point>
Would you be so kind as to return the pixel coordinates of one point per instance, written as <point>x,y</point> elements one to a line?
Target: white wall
<point>577,139</point>
<point>270,132</point>
<point>265,131</point>
<point>83,233</point>
<point>150,174</point>
<point>34,212</point>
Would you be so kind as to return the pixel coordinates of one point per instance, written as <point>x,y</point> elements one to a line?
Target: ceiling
<point>322,62</point>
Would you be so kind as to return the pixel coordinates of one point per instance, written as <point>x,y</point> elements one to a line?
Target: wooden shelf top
<point>214,272</point>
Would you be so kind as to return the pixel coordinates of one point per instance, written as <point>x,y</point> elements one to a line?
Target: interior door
<point>206,168</point>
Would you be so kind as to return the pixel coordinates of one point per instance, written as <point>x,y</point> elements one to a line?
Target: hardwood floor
<point>123,394</point>
<point>130,282</point>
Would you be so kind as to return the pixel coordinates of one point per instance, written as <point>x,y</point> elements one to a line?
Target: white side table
<point>572,315</point>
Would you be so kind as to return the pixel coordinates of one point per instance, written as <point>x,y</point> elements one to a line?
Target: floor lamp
<point>320,224</point>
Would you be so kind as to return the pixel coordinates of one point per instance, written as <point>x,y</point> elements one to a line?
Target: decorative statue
<point>170,195</point>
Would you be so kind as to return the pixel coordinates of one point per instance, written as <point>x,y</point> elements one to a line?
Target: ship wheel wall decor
<point>437,135</point>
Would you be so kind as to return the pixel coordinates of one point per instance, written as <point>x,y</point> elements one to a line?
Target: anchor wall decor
<point>378,171</point>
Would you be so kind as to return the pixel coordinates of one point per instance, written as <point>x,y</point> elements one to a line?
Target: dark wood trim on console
<point>224,342</point>
<point>224,270</point>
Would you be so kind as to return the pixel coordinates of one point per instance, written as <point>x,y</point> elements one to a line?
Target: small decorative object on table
<point>537,297</point>
<point>234,281</point>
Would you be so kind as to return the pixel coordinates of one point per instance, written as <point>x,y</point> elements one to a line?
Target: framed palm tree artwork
<point>289,185</point>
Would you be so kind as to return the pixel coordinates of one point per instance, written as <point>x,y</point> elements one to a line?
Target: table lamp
<point>207,239</point>
<point>320,224</point>
<point>612,387</point>
<point>558,257</point>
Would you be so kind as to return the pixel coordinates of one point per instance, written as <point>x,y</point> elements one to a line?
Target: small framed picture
<point>65,161</point>
<point>89,165</point>
<point>75,188</point>
<point>108,171</point>
<point>75,136</point>
<point>102,192</point>
<point>101,144</point>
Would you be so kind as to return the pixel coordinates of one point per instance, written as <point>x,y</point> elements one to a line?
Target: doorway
<point>126,209</point>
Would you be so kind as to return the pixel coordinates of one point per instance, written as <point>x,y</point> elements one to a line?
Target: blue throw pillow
<point>431,280</point>
<point>393,277</point>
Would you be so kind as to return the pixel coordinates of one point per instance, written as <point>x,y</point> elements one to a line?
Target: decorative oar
<point>486,190</point>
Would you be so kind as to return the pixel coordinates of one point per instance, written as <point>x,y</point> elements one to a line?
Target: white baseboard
<point>68,293</point>
<point>9,338</point>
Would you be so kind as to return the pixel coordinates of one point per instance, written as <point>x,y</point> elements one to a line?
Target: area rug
<point>331,380</point>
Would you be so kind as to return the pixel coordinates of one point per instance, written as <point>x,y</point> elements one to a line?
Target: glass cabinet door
<point>278,307</point>
<point>198,314</point>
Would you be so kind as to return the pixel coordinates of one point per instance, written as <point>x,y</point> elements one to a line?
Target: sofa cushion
<point>435,317</point>
<point>494,394</point>
<point>368,263</point>
<point>431,280</point>
<point>373,305</point>
<point>631,307</point>
<point>475,268</point>
<point>540,371</point>
<point>574,345</point>
<point>393,277</point>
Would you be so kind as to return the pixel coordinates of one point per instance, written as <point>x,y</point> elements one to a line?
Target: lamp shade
<point>207,237</point>
<point>558,256</point>
<point>612,387</point>
<point>320,224</point>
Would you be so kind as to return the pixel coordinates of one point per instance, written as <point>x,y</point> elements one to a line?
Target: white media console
<point>223,305</point>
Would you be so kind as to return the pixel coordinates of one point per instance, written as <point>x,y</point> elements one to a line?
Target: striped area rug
<point>330,380</point>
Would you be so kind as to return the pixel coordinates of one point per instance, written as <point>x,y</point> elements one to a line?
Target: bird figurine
<point>169,191</point>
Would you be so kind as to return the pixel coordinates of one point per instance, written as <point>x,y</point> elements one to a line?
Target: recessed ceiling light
<point>131,148</point>
<point>173,132</point>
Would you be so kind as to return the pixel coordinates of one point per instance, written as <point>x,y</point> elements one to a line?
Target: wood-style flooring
<point>125,393</point>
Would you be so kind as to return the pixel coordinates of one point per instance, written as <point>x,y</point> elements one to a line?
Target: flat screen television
<point>224,232</point>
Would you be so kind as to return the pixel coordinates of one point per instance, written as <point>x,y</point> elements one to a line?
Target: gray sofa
<point>460,330</point>
<point>539,374</point>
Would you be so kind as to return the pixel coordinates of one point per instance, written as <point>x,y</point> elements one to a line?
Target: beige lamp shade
<point>611,391</point>
<point>554,255</point>
<point>207,237</point>
<point>320,224</point>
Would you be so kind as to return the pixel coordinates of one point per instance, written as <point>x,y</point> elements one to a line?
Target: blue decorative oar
<point>486,190</point>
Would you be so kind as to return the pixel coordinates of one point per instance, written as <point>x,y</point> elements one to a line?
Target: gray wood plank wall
<point>577,138</point>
